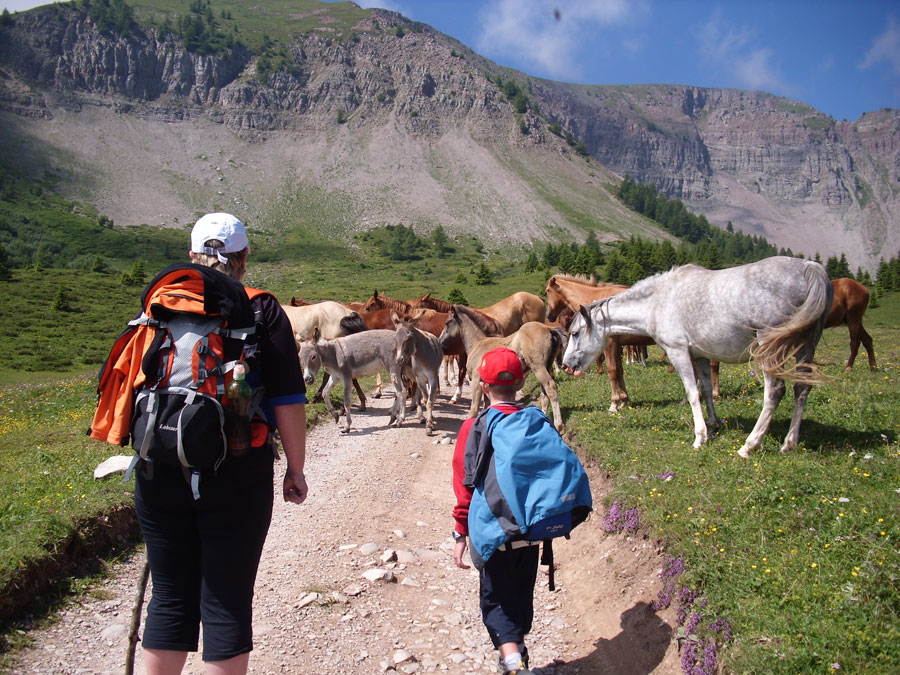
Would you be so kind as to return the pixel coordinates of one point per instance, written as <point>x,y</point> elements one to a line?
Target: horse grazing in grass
<point>769,311</point>
<point>419,353</point>
<point>569,292</point>
<point>350,357</point>
<point>536,344</point>
<point>851,299</point>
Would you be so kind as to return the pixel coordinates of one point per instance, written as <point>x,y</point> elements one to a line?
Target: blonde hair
<point>235,259</point>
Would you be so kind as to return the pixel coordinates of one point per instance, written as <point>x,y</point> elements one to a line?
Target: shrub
<point>484,276</point>
<point>456,297</point>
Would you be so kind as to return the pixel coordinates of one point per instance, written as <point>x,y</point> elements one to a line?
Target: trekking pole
<point>136,617</point>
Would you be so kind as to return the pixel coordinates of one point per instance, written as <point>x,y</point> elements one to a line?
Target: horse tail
<point>353,323</point>
<point>776,345</point>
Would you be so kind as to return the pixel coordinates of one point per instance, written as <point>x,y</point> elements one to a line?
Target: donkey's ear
<point>396,318</point>
<point>316,333</point>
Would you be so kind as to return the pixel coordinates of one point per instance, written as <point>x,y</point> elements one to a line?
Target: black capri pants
<point>204,554</point>
<point>507,594</point>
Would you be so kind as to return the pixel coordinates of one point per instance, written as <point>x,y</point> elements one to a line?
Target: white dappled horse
<point>769,311</point>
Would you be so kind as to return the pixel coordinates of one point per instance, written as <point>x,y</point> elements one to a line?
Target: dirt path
<point>375,490</point>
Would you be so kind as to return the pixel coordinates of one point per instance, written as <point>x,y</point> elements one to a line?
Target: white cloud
<point>886,47</point>
<point>545,33</point>
<point>755,71</point>
<point>733,50</point>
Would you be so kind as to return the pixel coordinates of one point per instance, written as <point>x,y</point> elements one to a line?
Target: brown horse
<point>381,301</point>
<point>538,347</point>
<point>571,292</point>
<point>851,299</point>
<point>511,313</point>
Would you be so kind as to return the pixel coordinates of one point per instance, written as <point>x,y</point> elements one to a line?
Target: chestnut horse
<point>564,291</point>
<point>511,312</point>
<point>851,299</point>
<point>381,301</point>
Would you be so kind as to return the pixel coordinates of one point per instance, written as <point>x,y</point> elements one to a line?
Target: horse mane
<point>579,278</point>
<point>393,303</point>
<point>485,323</point>
<point>430,302</point>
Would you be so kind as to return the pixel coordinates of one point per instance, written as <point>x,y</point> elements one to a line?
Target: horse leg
<point>619,369</point>
<point>362,396</point>
<point>476,394</point>
<point>854,344</point>
<point>801,393</point>
<point>870,348</point>
<point>773,391</point>
<point>613,372</point>
<point>461,363</point>
<point>378,385</point>
<point>702,366</point>
<point>714,373</point>
<point>550,390</point>
<point>683,364</point>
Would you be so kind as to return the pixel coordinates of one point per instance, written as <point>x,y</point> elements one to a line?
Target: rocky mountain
<point>359,118</point>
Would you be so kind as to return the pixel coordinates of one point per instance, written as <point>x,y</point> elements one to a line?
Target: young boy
<point>508,577</point>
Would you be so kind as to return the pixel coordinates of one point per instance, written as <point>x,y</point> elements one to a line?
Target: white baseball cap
<point>222,226</point>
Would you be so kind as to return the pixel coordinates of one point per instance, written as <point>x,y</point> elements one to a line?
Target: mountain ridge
<point>381,120</point>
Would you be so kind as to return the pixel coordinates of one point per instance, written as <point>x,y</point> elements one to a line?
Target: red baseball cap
<point>501,366</point>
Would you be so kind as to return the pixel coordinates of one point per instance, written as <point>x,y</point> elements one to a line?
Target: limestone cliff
<point>403,122</point>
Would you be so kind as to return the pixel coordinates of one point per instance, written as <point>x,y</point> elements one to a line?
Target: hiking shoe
<point>520,669</point>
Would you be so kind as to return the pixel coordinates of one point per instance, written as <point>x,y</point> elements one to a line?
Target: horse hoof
<point>362,407</point>
<point>377,394</point>
<point>744,452</point>
<point>337,418</point>
<point>345,430</point>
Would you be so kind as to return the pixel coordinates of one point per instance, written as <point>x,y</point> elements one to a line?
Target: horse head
<point>586,341</point>
<point>373,303</point>
<point>451,330</point>
<point>556,302</point>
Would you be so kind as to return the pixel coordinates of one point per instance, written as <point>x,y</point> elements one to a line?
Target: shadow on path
<point>637,650</point>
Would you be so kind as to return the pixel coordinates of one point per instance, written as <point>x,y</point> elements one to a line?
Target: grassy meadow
<point>798,552</point>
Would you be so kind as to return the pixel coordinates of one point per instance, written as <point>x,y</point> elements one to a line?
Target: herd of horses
<point>772,311</point>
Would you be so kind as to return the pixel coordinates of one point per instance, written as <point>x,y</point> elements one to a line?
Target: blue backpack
<point>528,484</point>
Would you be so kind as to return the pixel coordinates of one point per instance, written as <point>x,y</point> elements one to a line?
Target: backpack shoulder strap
<point>478,446</point>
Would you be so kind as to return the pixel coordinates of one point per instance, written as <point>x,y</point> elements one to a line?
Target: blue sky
<point>841,57</point>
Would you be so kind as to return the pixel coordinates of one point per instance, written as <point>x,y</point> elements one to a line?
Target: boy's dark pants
<point>507,594</point>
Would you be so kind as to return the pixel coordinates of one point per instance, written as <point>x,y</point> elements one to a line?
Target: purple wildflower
<point>617,519</point>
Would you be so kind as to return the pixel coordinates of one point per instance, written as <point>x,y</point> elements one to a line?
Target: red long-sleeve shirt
<point>463,493</point>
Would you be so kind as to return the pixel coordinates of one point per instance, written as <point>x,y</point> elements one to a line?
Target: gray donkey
<point>353,356</point>
<point>420,355</point>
